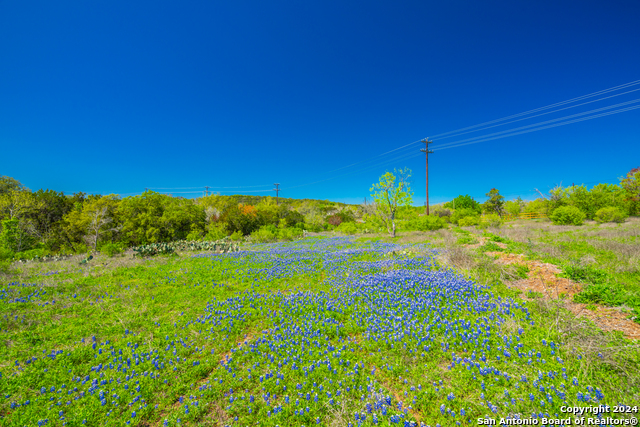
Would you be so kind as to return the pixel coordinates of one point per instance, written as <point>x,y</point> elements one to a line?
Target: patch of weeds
<point>522,270</point>
<point>586,274</point>
<point>495,238</point>
<point>605,294</point>
<point>460,231</point>
<point>534,295</point>
<point>467,240</point>
<point>491,247</point>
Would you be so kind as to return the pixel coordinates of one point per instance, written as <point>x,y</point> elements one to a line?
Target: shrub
<point>5,253</point>
<point>112,249</point>
<point>567,215</point>
<point>491,220</point>
<point>463,213</point>
<point>290,233</point>
<point>316,228</point>
<point>31,254</point>
<point>5,267</point>
<point>347,228</point>
<point>216,231</point>
<point>236,236</point>
<point>264,234</point>
<point>468,221</point>
<point>610,214</point>
<point>427,223</point>
<point>463,202</point>
<point>441,212</point>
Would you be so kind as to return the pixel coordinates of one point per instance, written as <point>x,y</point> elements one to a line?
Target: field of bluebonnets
<point>322,331</point>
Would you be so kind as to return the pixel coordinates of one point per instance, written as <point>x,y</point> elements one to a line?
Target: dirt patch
<point>607,318</point>
<point>543,278</point>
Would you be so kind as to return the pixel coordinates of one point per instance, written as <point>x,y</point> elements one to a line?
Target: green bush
<point>468,221</point>
<point>5,266</point>
<point>426,223</point>
<point>291,233</point>
<point>13,237</point>
<point>490,220</point>
<point>610,214</point>
<point>6,254</point>
<point>216,231</point>
<point>32,254</point>
<point>458,214</point>
<point>315,228</point>
<point>264,234</point>
<point>112,249</point>
<point>236,236</point>
<point>347,228</point>
<point>567,215</point>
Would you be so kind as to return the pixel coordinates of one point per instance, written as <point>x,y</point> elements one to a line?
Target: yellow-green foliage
<point>468,221</point>
<point>567,215</point>
<point>610,214</point>
<point>347,228</point>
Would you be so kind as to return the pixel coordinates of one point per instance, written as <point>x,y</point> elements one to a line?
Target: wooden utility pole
<point>426,151</point>
<point>277,190</point>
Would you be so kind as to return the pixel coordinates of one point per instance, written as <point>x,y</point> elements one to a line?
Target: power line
<point>486,137</point>
<point>460,143</point>
<point>541,114</point>
<point>209,186</point>
<point>635,101</point>
<point>535,110</point>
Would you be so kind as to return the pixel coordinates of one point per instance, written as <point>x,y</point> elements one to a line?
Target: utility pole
<point>277,190</point>
<point>206,187</point>
<point>426,151</point>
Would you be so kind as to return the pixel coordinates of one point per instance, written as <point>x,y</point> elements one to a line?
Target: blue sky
<point>115,97</point>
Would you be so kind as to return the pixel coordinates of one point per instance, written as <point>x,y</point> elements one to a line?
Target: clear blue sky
<point>117,96</point>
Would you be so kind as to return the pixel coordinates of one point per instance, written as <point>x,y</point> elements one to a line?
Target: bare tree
<point>98,225</point>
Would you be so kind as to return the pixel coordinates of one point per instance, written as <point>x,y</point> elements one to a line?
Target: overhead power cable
<point>634,101</point>
<point>538,115</point>
<point>535,110</point>
<point>609,113</point>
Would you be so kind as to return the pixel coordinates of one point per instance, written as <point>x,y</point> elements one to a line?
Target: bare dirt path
<point>543,279</point>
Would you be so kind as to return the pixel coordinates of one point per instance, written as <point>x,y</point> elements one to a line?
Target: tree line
<point>47,221</point>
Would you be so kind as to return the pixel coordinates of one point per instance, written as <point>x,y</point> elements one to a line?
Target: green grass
<point>603,259</point>
<point>163,338</point>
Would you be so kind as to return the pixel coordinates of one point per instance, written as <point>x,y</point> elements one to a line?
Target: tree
<point>17,204</point>
<point>96,218</point>
<point>7,184</point>
<point>631,183</point>
<point>153,217</point>
<point>495,204</point>
<point>391,192</point>
<point>463,202</point>
<point>513,207</point>
<point>46,221</point>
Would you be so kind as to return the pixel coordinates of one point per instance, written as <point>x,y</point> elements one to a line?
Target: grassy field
<point>329,331</point>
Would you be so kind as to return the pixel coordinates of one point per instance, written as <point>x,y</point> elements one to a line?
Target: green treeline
<point>47,222</point>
